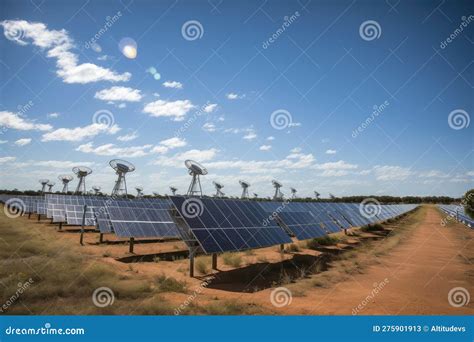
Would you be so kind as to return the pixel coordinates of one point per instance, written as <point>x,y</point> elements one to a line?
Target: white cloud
<point>331,151</point>
<point>59,164</point>
<point>3,141</point>
<point>122,105</point>
<point>178,159</point>
<point>7,159</point>
<point>119,94</point>
<point>388,172</point>
<point>250,136</point>
<point>177,110</point>
<point>113,150</point>
<point>210,108</point>
<point>294,124</point>
<point>132,151</point>
<point>296,150</point>
<point>79,133</point>
<point>58,45</point>
<point>23,142</point>
<point>234,96</point>
<point>433,174</point>
<point>168,144</point>
<point>339,165</point>
<point>15,121</point>
<point>173,142</point>
<point>265,147</point>
<point>53,115</point>
<point>128,137</point>
<point>470,173</point>
<point>173,84</point>
<point>334,173</point>
<point>270,138</point>
<point>209,127</point>
<point>291,162</point>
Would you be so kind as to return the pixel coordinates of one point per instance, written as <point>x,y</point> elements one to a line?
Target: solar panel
<point>302,224</point>
<point>141,222</point>
<point>222,225</point>
<point>74,215</point>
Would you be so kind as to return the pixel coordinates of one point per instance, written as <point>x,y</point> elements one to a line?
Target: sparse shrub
<point>170,284</point>
<point>202,267</point>
<point>249,252</point>
<point>232,259</point>
<point>376,227</point>
<point>322,241</point>
<point>293,248</point>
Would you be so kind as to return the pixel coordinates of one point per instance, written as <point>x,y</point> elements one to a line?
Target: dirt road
<point>414,278</point>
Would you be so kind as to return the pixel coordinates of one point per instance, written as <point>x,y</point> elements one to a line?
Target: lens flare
<point>128,47</point>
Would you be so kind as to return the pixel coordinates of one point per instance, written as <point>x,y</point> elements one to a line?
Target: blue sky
<point>384,110</point>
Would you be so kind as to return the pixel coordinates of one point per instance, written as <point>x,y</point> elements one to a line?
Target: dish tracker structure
<point>278,195</point>
<point>293,193</point>
<point>173,190</point>
<point>81,172</point>
<point>196,170</point>
<point>65,179</point>
<point>50,186</point>
<point>218,186</point>
<point>44,183</point>
<point>121,167</point>
<point>245,189</point>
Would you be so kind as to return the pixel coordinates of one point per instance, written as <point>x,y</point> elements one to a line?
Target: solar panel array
<point>221,224</point>
<point>459,213</point>
<point>229,225</point>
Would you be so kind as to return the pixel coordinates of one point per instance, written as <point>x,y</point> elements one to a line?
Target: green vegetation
<point>170,284</point>
<point>376,227</point>
<point>232,259</point>
<point>322,241</point>
<point>292,248</point>
<point>202,266</point>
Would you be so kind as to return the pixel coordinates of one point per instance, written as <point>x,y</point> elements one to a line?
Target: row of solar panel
<point>217,224</point>
<point>221,225</point>
<point>459,213</point>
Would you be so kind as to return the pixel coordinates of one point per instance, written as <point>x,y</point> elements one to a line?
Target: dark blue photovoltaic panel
<point>141,222</point>
<point>223,225</point>
<point>302,224</point>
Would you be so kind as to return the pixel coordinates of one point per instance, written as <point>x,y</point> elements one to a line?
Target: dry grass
<point>232,259</point>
